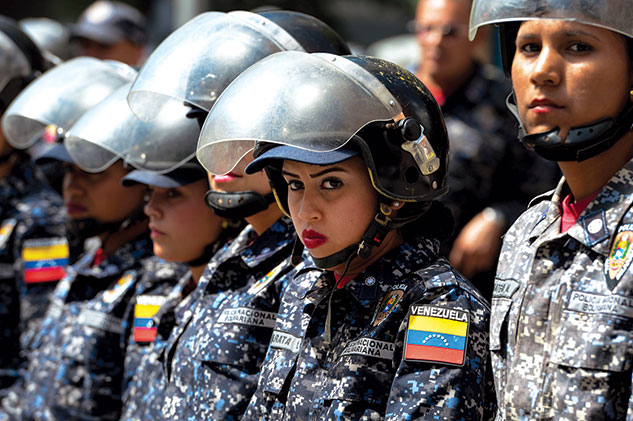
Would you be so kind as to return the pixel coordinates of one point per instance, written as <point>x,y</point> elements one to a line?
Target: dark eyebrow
<point>320,173</point>
<point>567,34</point>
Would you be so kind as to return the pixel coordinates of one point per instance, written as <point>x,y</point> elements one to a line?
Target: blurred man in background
<point>491,176</point>
<point>112,30</point>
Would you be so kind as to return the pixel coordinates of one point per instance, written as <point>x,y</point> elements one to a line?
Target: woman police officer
<point>562,320</point>
<point>356,151</point>
<point>212,359</point>
<point>75,362</point>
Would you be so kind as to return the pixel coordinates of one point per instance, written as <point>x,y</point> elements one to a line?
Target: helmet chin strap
<point>238,205</point>
<point>582,142</point>
<point>373,237</point>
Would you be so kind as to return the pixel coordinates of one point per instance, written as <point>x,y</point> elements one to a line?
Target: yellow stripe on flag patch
<point>145,311</point>
<point>438,325</point>
<point>58,251</point>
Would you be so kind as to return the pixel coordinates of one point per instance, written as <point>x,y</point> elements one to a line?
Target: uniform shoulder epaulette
<point>541,197</point>
<point>438,275</point>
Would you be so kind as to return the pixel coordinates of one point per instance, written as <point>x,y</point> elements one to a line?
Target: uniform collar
<point>392,269</point>
<point>594,226</point>
<point>269,243</point>
<point>246,250</point>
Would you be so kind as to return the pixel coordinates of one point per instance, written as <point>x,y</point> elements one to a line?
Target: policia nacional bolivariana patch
<point>621,255</point>
<point>437,334</point>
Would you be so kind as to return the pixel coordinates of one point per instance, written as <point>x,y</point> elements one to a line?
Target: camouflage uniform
<point>367,371</point>
<point>560,334</point>
<point>76,361</point>
<point>31,216</point>
<point>213,361</point>
<point>143,397</point>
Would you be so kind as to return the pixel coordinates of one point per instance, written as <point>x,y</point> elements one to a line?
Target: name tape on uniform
<point>248,316</point>
<point>584,302</point>
<point>102,321</point>
<point>285,340</point>
<point>505,288</point>
<point>371,348</point>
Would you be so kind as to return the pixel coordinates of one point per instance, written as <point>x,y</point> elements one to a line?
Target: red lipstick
<point>225,177</point>
<point>312,239</point>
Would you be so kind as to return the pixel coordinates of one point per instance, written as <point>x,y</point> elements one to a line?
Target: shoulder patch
<point>621,255</point>
<point>120,287</point>
<point>145,309</point>
<point>6,228</point>
<point>387,304</point>
<point>263,282</point>
<point>436,334</point>
<point>45,259</point>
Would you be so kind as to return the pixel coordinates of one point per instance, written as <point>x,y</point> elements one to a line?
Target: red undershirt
<point>571,211</point>
<point>341,282</point>
<point>100,256</point>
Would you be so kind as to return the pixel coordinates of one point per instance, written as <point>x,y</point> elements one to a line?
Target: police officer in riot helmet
<point>561,304</point>
<point>356,151</point>
<point>217,346</point>
<point>76,359</point>
<point>31,213</point>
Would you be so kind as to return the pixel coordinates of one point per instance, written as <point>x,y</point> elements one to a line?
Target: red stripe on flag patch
<point>433,354</point>
<point>143,334</point>
<point>33,276</point>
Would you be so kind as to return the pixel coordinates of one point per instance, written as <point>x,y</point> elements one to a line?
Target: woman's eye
<point>579,47</point>
<point>295,185</point>
<point>332,183</point>
<point>171,193</point>
<point>529,47</point>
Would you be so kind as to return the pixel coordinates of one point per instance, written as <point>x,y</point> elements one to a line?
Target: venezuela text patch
<point>436,334</point>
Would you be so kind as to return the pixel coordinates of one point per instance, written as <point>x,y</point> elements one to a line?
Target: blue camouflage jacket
<point>143,395</point>
<point>408,340</point>
<point>212,362</point>
<point>75,362</point>
<point>33,255</point>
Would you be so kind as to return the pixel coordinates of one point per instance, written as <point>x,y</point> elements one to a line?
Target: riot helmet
<point>51,36</point>
<point>20,61</point>
<point>327,105</point>
<point>60,96</point>
<point>584,141</point>
<point>199,60</point>
<point>110,131</point>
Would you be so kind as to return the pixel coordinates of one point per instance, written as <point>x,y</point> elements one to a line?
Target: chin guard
<point>238,205</point>
<point>582,142</point>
